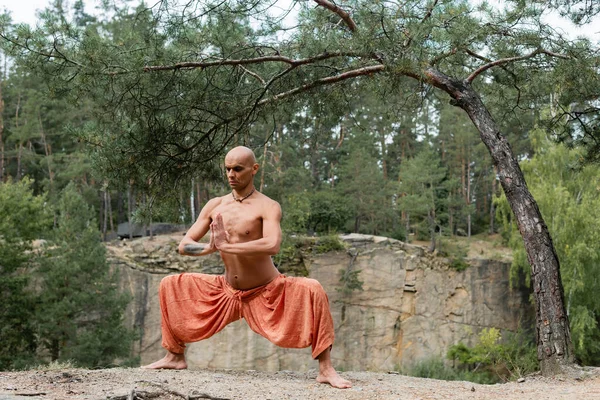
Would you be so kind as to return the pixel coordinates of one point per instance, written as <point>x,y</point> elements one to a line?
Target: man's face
<point>239,172</point>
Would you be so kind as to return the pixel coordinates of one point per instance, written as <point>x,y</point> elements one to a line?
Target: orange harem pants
<point>288,311</point>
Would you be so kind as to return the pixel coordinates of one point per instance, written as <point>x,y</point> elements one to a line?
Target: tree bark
<point>264,165</point>
<point>129,209</point>
<point>554,346</point>
<point>492,207</point>
<point>1,132</point>
<point>47,150</point>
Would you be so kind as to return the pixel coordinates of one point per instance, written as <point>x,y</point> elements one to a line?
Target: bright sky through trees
<point>25,11</point>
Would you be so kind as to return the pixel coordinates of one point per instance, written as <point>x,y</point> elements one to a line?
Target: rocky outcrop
<point>392,304</point>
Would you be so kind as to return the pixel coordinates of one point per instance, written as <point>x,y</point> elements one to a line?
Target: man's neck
<point>243,194</point>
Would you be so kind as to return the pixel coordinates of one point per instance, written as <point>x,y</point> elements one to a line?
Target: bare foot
<point>330,376</point>
<point>170,361</point>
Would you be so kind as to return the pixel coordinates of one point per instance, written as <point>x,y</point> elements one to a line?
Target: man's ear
<point>255,168</point>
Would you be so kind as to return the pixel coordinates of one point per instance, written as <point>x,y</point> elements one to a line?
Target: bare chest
<point>242,221</point>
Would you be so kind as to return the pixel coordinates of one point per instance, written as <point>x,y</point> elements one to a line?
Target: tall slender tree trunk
<point>119,207</point>
<point>492,207</point>
<point>20,146</point>
<point>468,197</point>
<point>47,150</point>
<point>129,196</point>
<point>104,212</point>
<point>383,154</point>
<point>192,204</point>
<point>554,346</point>
<point>407,227</point>
<point>264,165</point>
<point>451,215</point>
<point>110,212</point>
<point>1,131</point>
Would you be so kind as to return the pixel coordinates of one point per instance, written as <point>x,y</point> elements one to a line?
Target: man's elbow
<point>274,248</point>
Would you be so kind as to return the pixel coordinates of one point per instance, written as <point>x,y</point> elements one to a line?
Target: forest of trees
<point>125,115</point>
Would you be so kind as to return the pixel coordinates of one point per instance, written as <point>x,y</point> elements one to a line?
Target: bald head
<point>240,155</point>
<point>241,166</point>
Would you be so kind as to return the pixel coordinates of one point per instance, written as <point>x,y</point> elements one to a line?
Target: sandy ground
<point>133,383</point>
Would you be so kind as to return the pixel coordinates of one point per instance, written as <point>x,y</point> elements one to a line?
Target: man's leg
<point>193,307</point>
<point>294,312</point>
<point>327,374</point>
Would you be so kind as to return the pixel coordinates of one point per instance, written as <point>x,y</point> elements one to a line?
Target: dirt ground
<point>133,383</point>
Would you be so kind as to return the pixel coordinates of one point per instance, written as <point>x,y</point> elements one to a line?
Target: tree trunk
<point>47,150</point>
<point>468,198</point>
<point>264,165</point>
<point>104,212</point>
<point>407,227</point>
<point>192,205</point>
<point>1,132</point>
<point>129,211</point>
<point>119,207</point>
<point>110,211</point>
<point>553,336</point>
<point>431,221</point>
<point>492,208</point>
<point>18,174</point>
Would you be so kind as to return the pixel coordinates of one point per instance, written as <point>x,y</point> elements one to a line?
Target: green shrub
<point>456,252</point>
<point>506,359</point>
<point>328,243</point>
<point>434,368</point>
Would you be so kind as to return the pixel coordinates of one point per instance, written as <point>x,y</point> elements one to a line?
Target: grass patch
<point>435,368</point>
<point>56,365</point>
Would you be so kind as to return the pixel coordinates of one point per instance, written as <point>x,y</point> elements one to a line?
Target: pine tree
<point>79,308</point>
<point>23,218</point>
<point>421,182</point>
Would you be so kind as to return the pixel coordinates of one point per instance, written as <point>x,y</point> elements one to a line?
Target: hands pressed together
<point>218,235</point>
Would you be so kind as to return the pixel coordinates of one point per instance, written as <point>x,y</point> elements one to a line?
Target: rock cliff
<point>412,306</point>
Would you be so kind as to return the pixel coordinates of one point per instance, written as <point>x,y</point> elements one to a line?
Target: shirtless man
<point>245,229</point>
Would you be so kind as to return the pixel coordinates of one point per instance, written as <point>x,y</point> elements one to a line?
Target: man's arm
<point>197,232</point>
<point>268,244</point>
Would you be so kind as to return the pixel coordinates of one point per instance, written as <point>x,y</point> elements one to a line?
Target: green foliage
<point>435,368</point>
<point>328,243</point>
<point>289,251</point>
<point>495,358</point>
<point>568,195</point>
<point>421,185</point>
<point>23,217</point>
<point>363,190</point>
<point>296,213</point>
<point>329,212</point>
<point>350,281</point>
<point>80,310</point>
<point>349,278</point>
<point>456,252</point>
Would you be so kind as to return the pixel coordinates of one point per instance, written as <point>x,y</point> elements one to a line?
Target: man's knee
<point>167,282</point>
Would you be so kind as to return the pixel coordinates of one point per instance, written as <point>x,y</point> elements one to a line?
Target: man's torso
<point>244,222</point>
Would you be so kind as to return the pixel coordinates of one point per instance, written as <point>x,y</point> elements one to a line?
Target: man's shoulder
<point>270,206</point>
<point>214,202</point>
<point>269,201</point>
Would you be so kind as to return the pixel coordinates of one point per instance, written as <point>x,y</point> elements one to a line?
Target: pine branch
<point>253,74</point>
<point>343,14</point>
<point>256,60</point>
<point>325,81</point>
<point>425,18</point>
<point>503,61</point>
